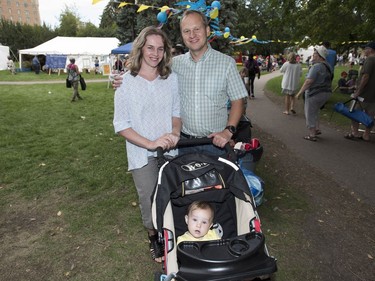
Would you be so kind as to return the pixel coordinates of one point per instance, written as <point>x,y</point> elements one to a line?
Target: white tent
<point>4,53</point>
<point>81,48</point>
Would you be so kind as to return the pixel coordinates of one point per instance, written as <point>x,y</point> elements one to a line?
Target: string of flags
<point>212,13</point>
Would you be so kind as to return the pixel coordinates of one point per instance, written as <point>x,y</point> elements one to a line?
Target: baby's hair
<point>202,205</point>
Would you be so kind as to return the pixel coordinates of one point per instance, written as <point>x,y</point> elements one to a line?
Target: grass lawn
<point>65,194</point>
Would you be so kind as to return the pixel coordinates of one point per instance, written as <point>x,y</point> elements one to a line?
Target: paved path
<point>349,163</point>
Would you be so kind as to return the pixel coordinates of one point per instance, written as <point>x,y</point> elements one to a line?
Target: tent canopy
<point>4,53</point>
<point>74,46</point>
<point>124,49</point>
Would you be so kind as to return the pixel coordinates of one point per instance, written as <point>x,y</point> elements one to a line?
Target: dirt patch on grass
<point>23,225</point>
<point>40,241</point>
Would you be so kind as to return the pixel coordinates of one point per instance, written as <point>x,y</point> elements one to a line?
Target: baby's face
<point>199,222</point>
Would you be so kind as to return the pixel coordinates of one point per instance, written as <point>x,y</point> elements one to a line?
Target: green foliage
<point>20,36</point>
<point>108,17</point>
<point>126,23</point>
<point>69,23</point>
<point>336,21</point>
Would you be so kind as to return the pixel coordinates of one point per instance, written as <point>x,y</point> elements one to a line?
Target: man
<point>332,55</point>
<point>36,65</point>
<point>365,90</point>
<point>207,80</point>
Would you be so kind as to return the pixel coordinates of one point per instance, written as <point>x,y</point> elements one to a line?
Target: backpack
<point>252,67</point>
<point>72,74</point>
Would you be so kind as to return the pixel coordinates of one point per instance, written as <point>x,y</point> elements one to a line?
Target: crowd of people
<point>172,93</point>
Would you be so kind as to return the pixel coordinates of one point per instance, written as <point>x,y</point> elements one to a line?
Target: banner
<point>55,61</point>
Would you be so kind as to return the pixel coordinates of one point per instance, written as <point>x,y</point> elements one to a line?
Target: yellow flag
<point>214,14</point>
<point>142,8</point>
<point>95,1</point>
<point>123,4</point>
<point>164,8</point>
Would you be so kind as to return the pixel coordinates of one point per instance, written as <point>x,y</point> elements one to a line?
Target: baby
<point>199,220</point>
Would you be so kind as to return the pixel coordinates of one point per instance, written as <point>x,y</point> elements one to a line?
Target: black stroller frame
<point>241,254</point>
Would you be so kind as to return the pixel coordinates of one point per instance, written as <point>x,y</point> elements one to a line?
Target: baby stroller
<point>241,254</point>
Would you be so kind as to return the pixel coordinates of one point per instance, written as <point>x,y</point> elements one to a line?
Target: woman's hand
<point>174,139</point>
<point>166,141</point>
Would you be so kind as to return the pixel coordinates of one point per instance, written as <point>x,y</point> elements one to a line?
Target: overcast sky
<point>50,10</point>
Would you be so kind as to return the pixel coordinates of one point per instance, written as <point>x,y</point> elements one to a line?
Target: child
<point>346,86</point>
<point>199,218</point>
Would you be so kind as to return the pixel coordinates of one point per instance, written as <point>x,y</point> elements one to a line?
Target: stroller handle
<point>198,141</point>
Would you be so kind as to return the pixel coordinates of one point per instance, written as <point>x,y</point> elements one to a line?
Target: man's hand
<point>221,138</point>
<point>117,81</point>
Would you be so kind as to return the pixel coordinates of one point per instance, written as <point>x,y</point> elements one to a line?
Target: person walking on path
<point>316,89</point>
<point>365,90</point>
<point>289,85</point>
<point>253,71</point>
<point>73,77</point>
<point>147,115</point>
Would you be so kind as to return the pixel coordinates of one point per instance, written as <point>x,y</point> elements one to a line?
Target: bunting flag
<point>142,8</point>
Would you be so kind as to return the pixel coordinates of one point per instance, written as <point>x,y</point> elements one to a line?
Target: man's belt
<point>189,136</point>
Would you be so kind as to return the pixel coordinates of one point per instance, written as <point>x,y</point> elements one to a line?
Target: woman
<point>317,90</point>
<point>147,115</point>
<point>290,83</point>
<point>73,77</point>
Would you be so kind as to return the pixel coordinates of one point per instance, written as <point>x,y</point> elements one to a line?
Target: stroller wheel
<point>162,277</point>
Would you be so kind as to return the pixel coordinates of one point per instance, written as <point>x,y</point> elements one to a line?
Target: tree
<point>69,23</point>
<point>126,23</point>
<point>108,18</point>
<point>87,29</point>
<point>21,36</point>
